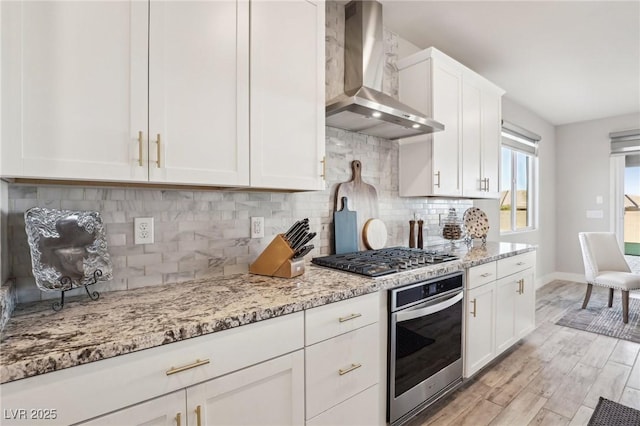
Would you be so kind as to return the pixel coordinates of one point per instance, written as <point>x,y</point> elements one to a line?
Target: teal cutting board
<point>345,227</point>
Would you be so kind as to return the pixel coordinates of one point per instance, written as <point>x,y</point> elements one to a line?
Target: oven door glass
<point>428,338</point>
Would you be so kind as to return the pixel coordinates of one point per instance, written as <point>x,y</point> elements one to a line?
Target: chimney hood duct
<point>363,107</point>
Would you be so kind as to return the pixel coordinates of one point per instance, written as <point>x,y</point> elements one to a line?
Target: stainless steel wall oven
<point>425,344</point>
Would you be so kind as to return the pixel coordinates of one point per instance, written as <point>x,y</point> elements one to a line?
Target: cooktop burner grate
<point>375,263</point>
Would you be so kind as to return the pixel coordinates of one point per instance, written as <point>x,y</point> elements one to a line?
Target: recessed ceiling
<point>566,61</point>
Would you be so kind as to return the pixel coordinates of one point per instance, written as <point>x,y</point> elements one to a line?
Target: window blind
<point>519,139</point>
<point>627,142</point>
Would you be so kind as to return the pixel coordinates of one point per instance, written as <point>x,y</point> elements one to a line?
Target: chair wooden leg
<point>587,296</point>
<point>625,306</point>
<point>610,297</point>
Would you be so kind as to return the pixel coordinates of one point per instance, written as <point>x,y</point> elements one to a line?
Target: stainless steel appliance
<point>375,263</point>
<point>425,344</point>
<point>363,107</point>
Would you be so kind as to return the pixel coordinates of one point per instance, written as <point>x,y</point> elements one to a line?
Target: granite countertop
<point>37,340</point>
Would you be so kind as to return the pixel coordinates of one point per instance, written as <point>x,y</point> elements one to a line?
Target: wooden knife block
<point>275,261</point>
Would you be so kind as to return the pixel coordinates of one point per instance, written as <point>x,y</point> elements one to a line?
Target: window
<point>517,178</point>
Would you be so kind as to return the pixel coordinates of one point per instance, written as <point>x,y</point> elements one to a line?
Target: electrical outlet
<point>257,227</point>
<point>143,230</point>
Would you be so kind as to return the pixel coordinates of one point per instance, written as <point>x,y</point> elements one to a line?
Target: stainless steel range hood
<point>363,107</point>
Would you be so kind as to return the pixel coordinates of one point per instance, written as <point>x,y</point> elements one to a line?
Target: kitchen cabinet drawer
<point>481,274</point>
<point>142,375</point>
<point>515,264</point>
<point>355,411</point>
<point>340,368</point>
<point>338,318</point>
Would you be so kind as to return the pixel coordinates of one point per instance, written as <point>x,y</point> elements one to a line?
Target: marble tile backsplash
<point>206,233</point>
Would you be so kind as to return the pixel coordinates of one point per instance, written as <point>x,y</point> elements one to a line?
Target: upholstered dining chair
<point>604,265</point>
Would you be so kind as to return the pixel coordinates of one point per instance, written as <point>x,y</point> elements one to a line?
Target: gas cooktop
<point>375,263</point>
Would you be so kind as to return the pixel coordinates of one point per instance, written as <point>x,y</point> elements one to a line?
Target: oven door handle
<point>429,309</point>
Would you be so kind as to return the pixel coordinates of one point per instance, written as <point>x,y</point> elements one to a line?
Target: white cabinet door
<point>479,328</point>
<point>471,139</point>
<point>74,89</point>
<point>341,367</point>
<point>270,393</point>
<point>506,292</point>
<point>491,135</point>
<point>447,109</point>
<point>199,92</point>
<point>481,106</point>
<point>525,320</point>
<point>356,411</point>
<point>167,410</point>
<point>287,94</point>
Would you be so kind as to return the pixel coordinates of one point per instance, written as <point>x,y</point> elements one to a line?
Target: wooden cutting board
<point>374,234</point>
<point>363,198</point>
<point>345,228</point>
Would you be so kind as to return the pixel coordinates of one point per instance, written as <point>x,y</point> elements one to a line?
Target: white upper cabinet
<point>199,92</point>
<point>164,92</point>
<point>287,94</point>
<point>74,92</point>
<point>463,159</point>
<point>481,124</point>
<point>430,164</point>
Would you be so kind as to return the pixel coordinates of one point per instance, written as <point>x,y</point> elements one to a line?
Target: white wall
<point>544,234</point>
<point>583,173</point>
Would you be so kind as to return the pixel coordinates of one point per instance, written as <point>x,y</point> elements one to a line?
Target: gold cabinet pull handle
<point>349,370</point>
<point>520,263</point>
<point>158,151</point>
<point>140,137</point>
<point>198,363</point>
<point>438,176</point>
<point>486,274</point>
<point>349,317</point>
<point>198,416</point>
<point>474,308</point>
<point>179,419</point>
<point>487,187</point>
<point>324,168</point>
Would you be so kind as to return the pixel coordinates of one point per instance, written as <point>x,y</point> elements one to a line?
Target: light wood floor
<point>554,376</point>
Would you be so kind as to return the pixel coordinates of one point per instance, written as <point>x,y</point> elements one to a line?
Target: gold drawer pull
<point>349,370</point>
<point>486,274</point>
<point>140,137</point>
<point>198,363</point>
<point>349,317</point>
<point>520,263</point>
<point>474,308</point>
<point>198,416</point>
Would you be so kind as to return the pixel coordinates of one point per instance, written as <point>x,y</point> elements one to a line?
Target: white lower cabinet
<point>498,312</point>
<point>343,370</point>
<point>268,393</point>
<point>479,335</point>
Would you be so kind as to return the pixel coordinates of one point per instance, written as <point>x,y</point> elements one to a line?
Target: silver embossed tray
<point>68,248</point>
